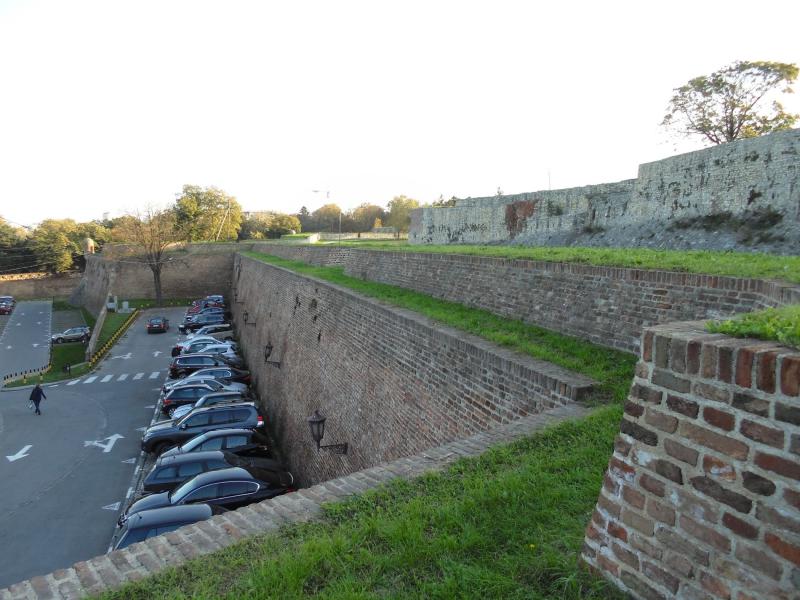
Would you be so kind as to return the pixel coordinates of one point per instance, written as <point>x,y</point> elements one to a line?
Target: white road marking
<point>74,382</point>
<point>123,356</point>
<point>21,454</point>
<point>153,375</point>
<point>138,376</point>
<point>150,406</point>
<point>114,506</point>
<point>129,461</point>
<point>8,347</point>
<point>156,353</point>
<point>35,345</point>
<point>90,379</point>
<point>106,379</point>
<point>112,439</point>
<point>122,377</point>
<point>141,428</point>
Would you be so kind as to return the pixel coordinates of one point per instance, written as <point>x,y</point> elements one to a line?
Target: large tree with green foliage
<point>364,216</point>
<point>55,244</point>
<point>207,214</point>
<point>400,209</point>
<point>729,104</point>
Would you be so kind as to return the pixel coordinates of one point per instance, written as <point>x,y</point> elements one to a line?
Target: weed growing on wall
<point>778,324</point>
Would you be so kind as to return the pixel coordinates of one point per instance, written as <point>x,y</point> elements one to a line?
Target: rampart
<point>58,286</point>
<point>390,382</point>
<point>606,305</point>
<point>702,492</point>
<point>739,178</point>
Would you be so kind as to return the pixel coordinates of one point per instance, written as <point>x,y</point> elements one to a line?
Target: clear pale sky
<point>108,105</point>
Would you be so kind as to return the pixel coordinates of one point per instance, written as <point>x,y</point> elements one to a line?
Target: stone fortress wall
<point>606,305</point>
<point>390,382</point>
<point>740,178</point>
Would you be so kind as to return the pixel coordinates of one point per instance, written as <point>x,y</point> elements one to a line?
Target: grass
<point>777,324</point>
<point>733,264</point>
<point>165,302</point>
<point>60,355</point>
<point>113,321</point>
<point>295,236</point>
<point>507,524</point>
<point>612,369</point>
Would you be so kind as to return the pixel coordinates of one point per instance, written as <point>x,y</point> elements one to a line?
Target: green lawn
<point>113,321</point>
<point>734,264</point>
<point>507,524</point>
<point>612,369</point>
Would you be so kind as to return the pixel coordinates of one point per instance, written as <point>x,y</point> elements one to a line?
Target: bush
<point>778,324</point>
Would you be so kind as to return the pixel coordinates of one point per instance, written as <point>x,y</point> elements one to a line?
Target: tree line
<point>198,214</point>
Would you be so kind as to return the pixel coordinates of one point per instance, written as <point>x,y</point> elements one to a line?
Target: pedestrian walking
<point>36,396</point>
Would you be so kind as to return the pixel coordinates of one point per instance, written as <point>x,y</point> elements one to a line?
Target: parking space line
<point>154,374</point>
<point>122,377</point>
<point>90,379</point>
<point>74,382</point>
<point>106,379</point>
<point>138,376</point>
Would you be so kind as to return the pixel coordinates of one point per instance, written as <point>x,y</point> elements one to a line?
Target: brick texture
<point>708,496</point>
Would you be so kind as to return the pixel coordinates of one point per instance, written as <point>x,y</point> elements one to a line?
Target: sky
<point>109,106</point>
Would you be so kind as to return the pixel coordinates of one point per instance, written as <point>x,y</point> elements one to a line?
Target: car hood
<point>159,428</point>
<point>148,502</point>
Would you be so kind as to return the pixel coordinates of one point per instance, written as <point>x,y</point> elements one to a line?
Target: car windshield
<point>179,493</point>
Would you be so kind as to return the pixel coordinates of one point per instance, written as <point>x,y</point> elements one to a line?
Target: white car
<point>211,399</point>
<point>221,331</point>
<point>210,347</point>
<point>227,386</point>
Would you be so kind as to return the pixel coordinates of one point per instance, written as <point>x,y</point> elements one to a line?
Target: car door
<point>206,494</point>
<point>162,479</point>
<point>196,424</point>
<point>236,441</point>
<point>233,494</point>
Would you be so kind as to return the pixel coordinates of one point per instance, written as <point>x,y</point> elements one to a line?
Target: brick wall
<point>390,382</point>
<point>606,305</point>
<point>58,286</point>
<point>702,494</point>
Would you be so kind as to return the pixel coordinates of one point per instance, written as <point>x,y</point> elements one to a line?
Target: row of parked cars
<point>211,452</point>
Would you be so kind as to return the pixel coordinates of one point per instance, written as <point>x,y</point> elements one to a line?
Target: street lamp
<point>316,423</point>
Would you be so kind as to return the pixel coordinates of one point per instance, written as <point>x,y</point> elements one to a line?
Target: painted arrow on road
<point>129,461</point>
<point>123,356</point>
<point>112,439</point>
<point>21,454</point>
<point>114,506</point>
<point>156,353</point>
<point>36,345</point>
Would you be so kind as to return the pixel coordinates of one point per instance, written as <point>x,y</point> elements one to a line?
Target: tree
<point>364,216</point>
<point>400,209</point>
<point>152,231</point>
<point>55,244</point>
<point>283,224</point>
<point>727,105</point>
<point>327,217</point>
<point>207,214</point>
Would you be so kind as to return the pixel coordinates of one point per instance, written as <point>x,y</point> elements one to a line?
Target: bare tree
<point>153,231</point>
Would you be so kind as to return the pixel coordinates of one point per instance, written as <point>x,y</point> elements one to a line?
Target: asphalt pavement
<point>66,474</point>
<point>25,342</point>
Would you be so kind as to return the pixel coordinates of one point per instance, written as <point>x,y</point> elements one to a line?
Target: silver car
<point>73,334</point>
<point>210,400</point>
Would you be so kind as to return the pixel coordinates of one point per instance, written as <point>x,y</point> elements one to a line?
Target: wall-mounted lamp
<point>267,352</point>
<point>246,319</point>
<point>317,425</point>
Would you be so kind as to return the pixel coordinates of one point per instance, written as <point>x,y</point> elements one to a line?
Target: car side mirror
<point>183,425</point>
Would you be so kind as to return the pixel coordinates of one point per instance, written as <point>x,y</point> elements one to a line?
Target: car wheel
<point>59,340</point>
<point>162,447</point>
<point>171,412</point>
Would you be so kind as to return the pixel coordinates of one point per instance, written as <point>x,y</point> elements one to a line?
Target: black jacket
<point>37,394</point>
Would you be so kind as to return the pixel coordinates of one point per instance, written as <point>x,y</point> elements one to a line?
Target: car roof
<point>233,473</point>
<point>216,407</point>
<point>221,432</point>
<point>157,319</point>
<point>179,459</point>
<point>168,514</point>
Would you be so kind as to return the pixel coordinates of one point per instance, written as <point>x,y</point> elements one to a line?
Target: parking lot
<point>25,339</point>
<point>67,473</point>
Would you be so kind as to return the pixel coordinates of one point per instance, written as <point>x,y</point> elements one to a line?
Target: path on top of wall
<point>174,549</point>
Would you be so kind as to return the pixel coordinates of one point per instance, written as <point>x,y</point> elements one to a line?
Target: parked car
<point>186,364</point>
<point>145,524</point>
<point>223,331</point>
<point>210,310</point>
<point>195,378</point>
<point>165,434</point>
<point>212,346</point>
<point>171,471</point>
<point>229,488</point>
<point>199,321</point>
<point>8,300</point>
<point>73,334</point>
<point>211,400</point>
<point>243,442</point>
<point>6,309</point>
<point>190,393</point>
<point>157,325</point>
<point>178,348</point>
<point>222,374</point>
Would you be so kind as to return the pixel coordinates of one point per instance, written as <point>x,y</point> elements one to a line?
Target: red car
<point>6,309</point>
<point>157,325</point>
